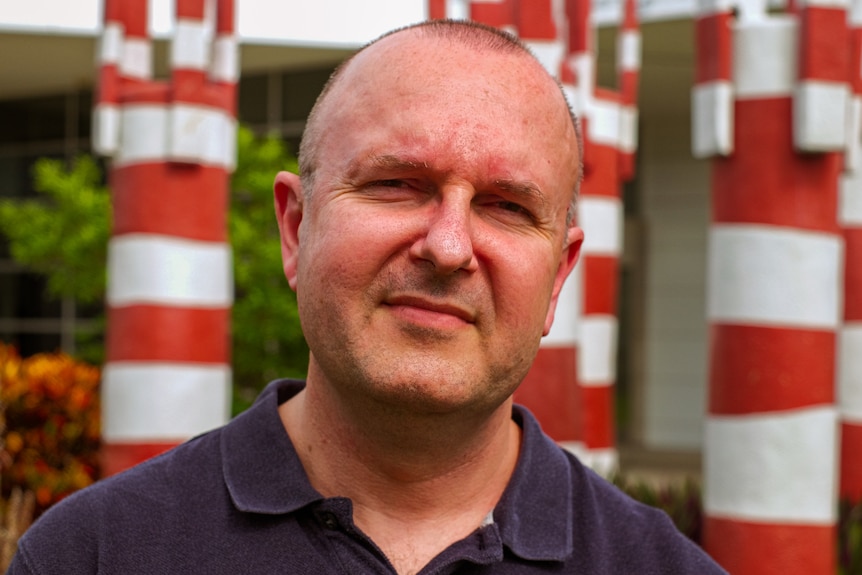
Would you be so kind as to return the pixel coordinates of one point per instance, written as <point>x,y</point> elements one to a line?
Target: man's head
<point>432,240</point>
<point>468,33</point>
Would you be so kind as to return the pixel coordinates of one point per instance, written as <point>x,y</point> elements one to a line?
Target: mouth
<point>424,309</point>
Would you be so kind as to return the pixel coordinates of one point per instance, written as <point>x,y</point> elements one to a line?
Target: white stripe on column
<point>144,137</point>
<point>458,9</point>
<point>775,276</point>
<point>601,218</point>
<point>190,45</point>
<point>604,127</point>
<point>549,52</point>
<point>106,129</point>
<point>225,63</point>
<point>583,67</point>
<point>850,200</point>
<point>849,372</point>
<point>564,331</point>
<point>597,364</point>
<point>629,51</point>
<point>820,116</point>
<point>110,44</point>
<point>772,467</point>
<point>605,461</point>
<point>628,129</point>
<point>152,401</point>
<point>149,268</point>
<point>764,57</point>
<point>712,119</point>
<point>202,135</point>
<point>137,59</point>
<point>853,154</point>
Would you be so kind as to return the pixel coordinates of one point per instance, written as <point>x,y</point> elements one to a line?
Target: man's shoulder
<point>136,505</point>
<point>609,532</point>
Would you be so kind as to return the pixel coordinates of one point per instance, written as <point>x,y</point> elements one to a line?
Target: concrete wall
<point>675,217</point>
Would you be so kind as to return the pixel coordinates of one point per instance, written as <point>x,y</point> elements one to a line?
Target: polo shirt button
<point>329,520</point>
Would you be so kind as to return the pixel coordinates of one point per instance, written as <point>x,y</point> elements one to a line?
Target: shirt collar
<point>534,514</point>
<point>264,475</point>
<point>261,468</point>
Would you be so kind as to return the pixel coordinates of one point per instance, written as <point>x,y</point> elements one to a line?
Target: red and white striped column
<point>550,388</point>
<point>850,217</point>
<point>712,97</point>
<point>628,67</point>
<point>601,216</point>
<point>167,376</point>
<point>774,304</point>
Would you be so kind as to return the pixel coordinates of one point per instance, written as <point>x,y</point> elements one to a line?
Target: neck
<point>356,453</point>
<point>409,476</point>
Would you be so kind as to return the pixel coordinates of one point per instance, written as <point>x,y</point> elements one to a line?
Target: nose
<point>447,242</point>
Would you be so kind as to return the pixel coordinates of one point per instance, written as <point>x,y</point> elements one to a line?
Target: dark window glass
<point>252,99</point>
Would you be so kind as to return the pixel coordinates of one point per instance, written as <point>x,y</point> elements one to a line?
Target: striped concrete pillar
<point>850,218</point>
<point>773,303</point>
<point>601,216</point>
<point>167,375</point>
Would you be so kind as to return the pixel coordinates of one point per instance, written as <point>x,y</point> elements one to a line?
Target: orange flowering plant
<point>52,425</point>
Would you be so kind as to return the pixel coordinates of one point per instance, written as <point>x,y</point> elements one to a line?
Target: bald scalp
<point>465,33</point>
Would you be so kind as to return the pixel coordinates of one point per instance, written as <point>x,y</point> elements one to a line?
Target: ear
<point>288,211</point>
<point>568,259</point>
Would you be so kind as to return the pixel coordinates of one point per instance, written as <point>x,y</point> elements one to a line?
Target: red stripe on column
<point>193,87</point>
<point>436,9</point>
<point>145,92</point>
<point>600,287</point>
<point>551,392</point>
<point>766,181</point>
<point>113,11</point>
<point>629,87</point>
<point>855,75</point>
<point>757,369</point>
<point>745,548</point>
<point>713,48</point>
<point>117,457</point>
<point>851,462</point>
<point>135,18</point>
<point>169,334</point>
<point>601,170</point>
<point>499,14</point>
<point>598,416</point>
<point>180,200</point>
<point>109,85</point>
<point>823,41</point>
<point>191,9</point>
<point>580,30</point>
<point>536,20</point>
<point>225,16</point>
<point>853,275</point>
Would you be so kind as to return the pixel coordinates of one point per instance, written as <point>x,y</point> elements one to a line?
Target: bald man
<point>427,238</point>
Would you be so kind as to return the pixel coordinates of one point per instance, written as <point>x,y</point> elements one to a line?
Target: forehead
<point>459,103</point>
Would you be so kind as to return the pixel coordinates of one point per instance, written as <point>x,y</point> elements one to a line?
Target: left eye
<point>391,183</point>
<point>512,207</point>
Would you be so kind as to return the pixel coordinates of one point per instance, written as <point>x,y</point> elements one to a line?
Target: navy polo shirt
<point>237,500</point>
